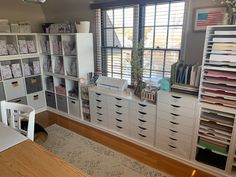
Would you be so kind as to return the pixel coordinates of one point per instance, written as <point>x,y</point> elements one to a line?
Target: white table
<point>9,137</point>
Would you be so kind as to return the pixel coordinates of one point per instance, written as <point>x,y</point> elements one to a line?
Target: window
<point>160,28</point>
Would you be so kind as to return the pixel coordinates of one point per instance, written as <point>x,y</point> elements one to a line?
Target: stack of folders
<point>186,77</point>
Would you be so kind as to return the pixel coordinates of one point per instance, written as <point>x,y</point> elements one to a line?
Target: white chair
<point>14,113</point>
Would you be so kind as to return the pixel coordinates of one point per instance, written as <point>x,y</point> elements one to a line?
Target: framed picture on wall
<point>204,17</point>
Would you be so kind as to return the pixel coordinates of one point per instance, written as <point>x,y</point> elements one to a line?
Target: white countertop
<point>9,137</point>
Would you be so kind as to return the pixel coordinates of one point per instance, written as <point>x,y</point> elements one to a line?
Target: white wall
<point>15,10</point>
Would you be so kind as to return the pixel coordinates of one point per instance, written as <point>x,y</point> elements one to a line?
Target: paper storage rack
<point>21,69</point>
<point>218,80</point>
<point>66,58</point>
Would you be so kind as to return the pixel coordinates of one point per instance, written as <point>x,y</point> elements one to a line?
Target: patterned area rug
<point>95,159</point>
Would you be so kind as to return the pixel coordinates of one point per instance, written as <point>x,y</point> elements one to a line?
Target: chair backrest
<point>14,113</point>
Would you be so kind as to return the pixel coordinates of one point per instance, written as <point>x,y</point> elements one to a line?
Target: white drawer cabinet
<point>175,120</point>
<point>14,88</point>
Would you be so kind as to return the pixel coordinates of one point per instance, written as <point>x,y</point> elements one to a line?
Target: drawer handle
<point>99,107</point>
<point>118,98</point>
<point>98,100</point>
<point>174,114</point>
<point>73,102</point>
<point>118,113</point>
<point>143,113</point>
<point>173,139</point>
<point>99,120</point>
<point>99,113</point>
<point>142,120</point>
<point>98,94</point>
<point>142,128</point>
<point>175,106</point>
<point>174,131</point>
<point>119,127</point>
<point>49,95</point>
<point>176,97</point>
<point>174,123</point>
<point>172,146</point>
<point>15,84</point>
<point>118,106</point>
<point>119,120</point>
<point>143,105</point>
<point>36,97</point>
<point>142,135</point>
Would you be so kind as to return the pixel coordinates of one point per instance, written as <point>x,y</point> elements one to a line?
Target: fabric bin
<point>62,103</point>
<point>50,99</point>
<point>33,84</point>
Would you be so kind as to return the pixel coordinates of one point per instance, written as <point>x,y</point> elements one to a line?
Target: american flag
<point>210,18</point>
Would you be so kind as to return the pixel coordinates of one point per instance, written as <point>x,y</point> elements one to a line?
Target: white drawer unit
<point>36,100</point>
<point>14,88</point>
<point>175,120</point>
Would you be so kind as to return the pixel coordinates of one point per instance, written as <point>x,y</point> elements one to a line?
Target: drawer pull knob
<point>174,114</point>
<point>119,120</point>
<point>172,146</point>
<point>176,97</point>
<point>143,105</point>
<point>98,94</point>
<point>99,107</point>
<point>175,106</point>
<point>174,131</point>
<point>143,113</point>
<point>118,113</point>
<point>99,120</point>
<point>99,113</point>
<point>142,128</point>
<point>175,123</point>
<point>98,100</point>
<point>142,135</point>
<point>118,98</point>
<point>173,139</point>
<point>73,102</point>
<point>119,127</point>
<point>142,120</point>
<point>118,106</point>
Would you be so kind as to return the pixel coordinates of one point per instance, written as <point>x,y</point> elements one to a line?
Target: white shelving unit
<point>215,136</point>
<point>21,71</point>
<point>66,59</point>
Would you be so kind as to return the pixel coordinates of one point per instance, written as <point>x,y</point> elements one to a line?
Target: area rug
<point>95,159</point>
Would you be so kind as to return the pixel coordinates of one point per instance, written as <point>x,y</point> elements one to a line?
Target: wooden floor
<point>148,157</point>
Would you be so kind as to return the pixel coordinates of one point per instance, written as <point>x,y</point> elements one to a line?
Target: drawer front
<point>36,100</point>
<point>62,103</point>
<point>2,92</point>
<point>50,99</point>
<point>146,117</point>
<point>118,108</point>
<point>21,100</point>
<point>74,107</point>
<point>177,99</point>
<point>119,123</point>
<point>118,101</point>
<point>179,151</point>
<point>123,130</point>
<point>98,102</point>
<point>146,136</point>
<point>175,109</point>
<point>14,88</point>
<point>174,126</point>
<point>99,109</point>
<point>117,115</point>
<point>97,95</point>
<point>33,84</point>
<point>99,119</point>
<point>171,133</point>
<point>144,107</point>
<point>178,119</point>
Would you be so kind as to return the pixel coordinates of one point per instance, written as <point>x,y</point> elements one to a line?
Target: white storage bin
<point>36,100</point>
<point>14,88</point>
<point>74,107</point>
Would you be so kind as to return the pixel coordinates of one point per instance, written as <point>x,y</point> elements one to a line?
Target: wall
<point>15,10</point>
<point>194,41</point>
<point>79,10</point>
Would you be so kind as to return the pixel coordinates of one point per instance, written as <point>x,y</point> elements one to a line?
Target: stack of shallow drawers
<point>143,122</point>
<point>175,119</point>
<point>118,114</point>
<point>98,107</point>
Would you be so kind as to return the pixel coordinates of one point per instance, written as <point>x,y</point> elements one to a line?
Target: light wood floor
<point>148,157</point>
